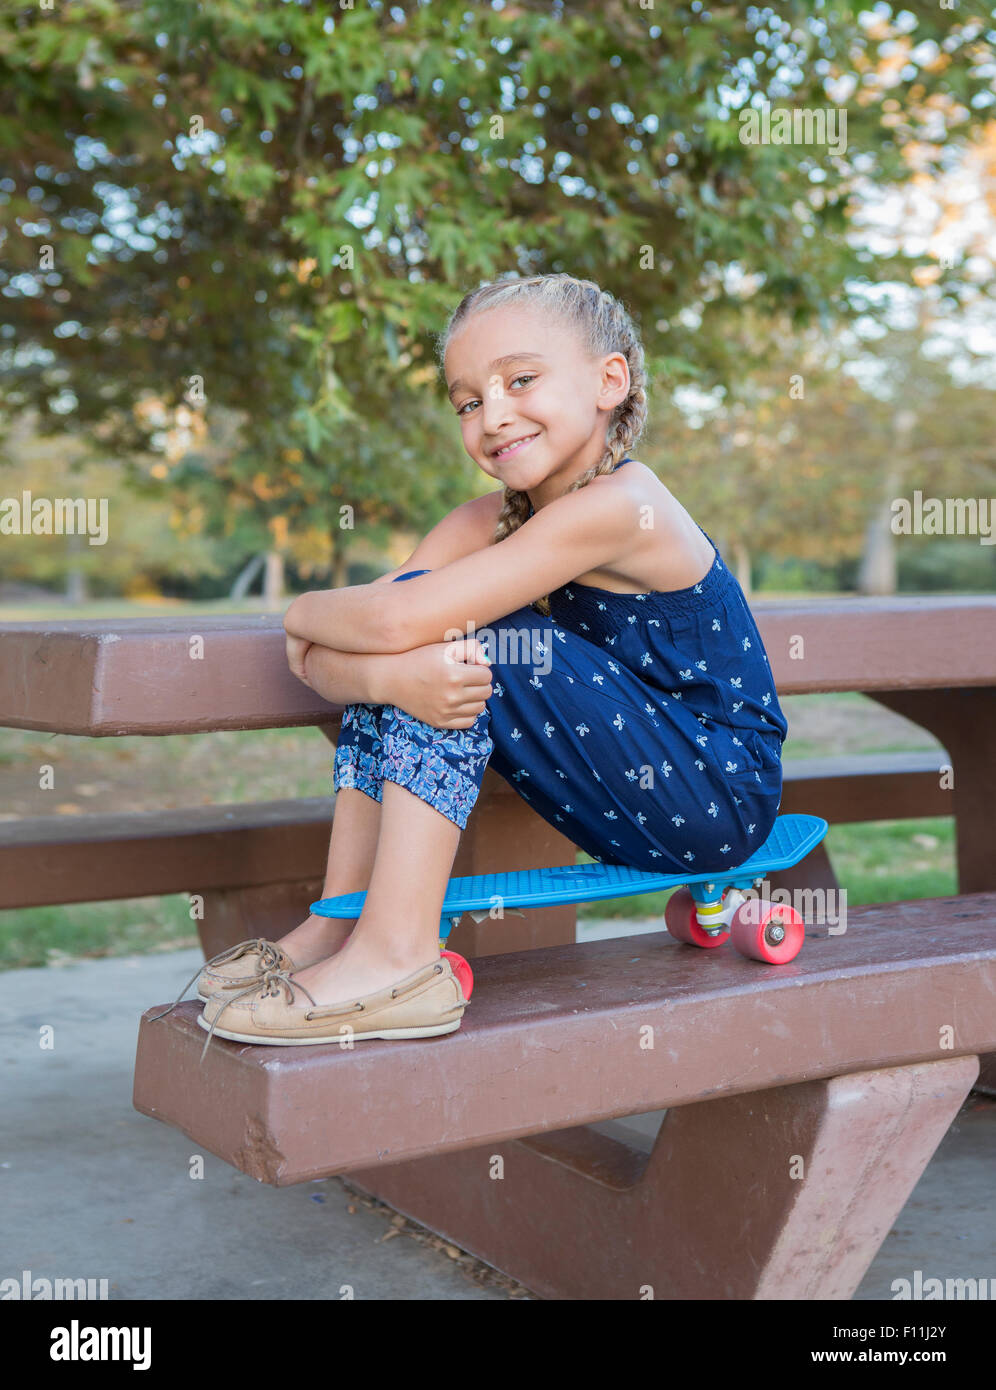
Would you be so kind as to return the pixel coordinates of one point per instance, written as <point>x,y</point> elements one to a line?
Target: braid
<point>604,326</point>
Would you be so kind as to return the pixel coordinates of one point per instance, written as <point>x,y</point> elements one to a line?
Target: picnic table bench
<point>803,1101</point>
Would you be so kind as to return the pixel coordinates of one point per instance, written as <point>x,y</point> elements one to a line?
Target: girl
<point>632,705</point>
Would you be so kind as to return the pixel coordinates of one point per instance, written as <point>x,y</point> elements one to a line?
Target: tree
<point>807,452</point>
<point>272,208</point>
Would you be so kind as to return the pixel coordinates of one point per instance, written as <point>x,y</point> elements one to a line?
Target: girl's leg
<point>352,847</point>
<point>357,783</point>
<point>427,781</point>
<point>398,930</point>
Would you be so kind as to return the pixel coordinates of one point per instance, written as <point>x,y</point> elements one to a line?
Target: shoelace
<point>268,977</point>
<point>268,952</point>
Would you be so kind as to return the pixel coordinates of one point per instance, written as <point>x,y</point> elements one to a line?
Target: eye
<point>525,377</point>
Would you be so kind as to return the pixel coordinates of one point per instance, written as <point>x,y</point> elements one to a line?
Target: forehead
<point>476,347</point>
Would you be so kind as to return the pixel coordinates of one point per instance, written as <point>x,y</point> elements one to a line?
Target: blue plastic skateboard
<point>707,909</point>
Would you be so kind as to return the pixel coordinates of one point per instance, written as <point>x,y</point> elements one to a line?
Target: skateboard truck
<point>715,914</point>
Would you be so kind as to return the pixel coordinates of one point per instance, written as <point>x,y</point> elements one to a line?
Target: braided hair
<point>603,326</point>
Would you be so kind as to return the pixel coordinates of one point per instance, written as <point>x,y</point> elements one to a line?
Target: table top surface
<point>192,674</point>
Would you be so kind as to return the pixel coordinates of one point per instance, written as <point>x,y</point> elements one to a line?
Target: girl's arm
<point>347,678</point>
<point>343,678</point>
<point>583,530</point>
<point>445,684</point>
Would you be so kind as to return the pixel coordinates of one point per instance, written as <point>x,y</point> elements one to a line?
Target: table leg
<point>964,721</point>
<point>504,832</point>
<point>780,1194</point>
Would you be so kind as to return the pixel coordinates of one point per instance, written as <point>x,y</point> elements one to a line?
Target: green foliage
<point>934,564</point>
<point>137,540</point>
<point>805,436</point>
<point>204,174</point>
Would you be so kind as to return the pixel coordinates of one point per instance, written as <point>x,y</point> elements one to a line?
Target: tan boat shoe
<point>425,1004</point>
<point>237,968</point>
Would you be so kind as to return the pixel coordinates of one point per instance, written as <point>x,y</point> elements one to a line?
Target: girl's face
<point>513,376</point>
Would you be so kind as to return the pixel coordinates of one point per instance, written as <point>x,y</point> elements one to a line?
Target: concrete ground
<point>92,1189</point>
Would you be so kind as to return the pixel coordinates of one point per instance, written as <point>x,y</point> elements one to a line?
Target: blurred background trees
<point>230,233</point>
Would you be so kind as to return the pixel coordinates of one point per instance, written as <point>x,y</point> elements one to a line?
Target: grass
<point>54,935</point>
<point>875,861</point>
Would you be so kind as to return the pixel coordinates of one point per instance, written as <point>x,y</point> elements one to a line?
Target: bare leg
<point>398,930</point>
<point>352,849</point>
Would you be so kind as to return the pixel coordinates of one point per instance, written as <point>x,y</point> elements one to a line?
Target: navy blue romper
<point>646,727</point>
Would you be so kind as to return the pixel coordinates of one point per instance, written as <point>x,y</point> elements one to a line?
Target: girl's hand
<point>444,684</point>
<point>297,650</point>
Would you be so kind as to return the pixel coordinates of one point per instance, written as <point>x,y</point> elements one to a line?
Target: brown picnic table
<point>852,1060</point>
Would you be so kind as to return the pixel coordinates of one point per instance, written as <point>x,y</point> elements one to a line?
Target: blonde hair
<point>603,326</point>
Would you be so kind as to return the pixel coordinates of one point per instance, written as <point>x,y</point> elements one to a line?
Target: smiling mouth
<point>510,449</point>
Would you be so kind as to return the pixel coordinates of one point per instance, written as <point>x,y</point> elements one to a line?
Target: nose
<point>496,411</point>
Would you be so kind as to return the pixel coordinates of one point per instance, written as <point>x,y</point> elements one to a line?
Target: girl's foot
<point>316,938</point>
<point>360,968</point>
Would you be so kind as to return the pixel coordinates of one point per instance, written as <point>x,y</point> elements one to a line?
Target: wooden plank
<point>73,859</point>
<point>879,643</point>
<point>186,674</point>
<point>69,859</point>
<point>867,787</point>
<point>142,676</point>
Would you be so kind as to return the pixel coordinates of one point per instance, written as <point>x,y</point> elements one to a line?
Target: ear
<point>615,385</point>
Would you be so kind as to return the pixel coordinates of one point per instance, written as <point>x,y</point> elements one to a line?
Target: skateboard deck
<point>791,839</point>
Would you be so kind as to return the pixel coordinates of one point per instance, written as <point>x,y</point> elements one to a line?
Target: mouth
<point>516,446</point>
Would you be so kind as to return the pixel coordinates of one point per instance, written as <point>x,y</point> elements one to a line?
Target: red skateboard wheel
<point>766,931</point>
<point>461,969</point>
<point>682,923</point>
